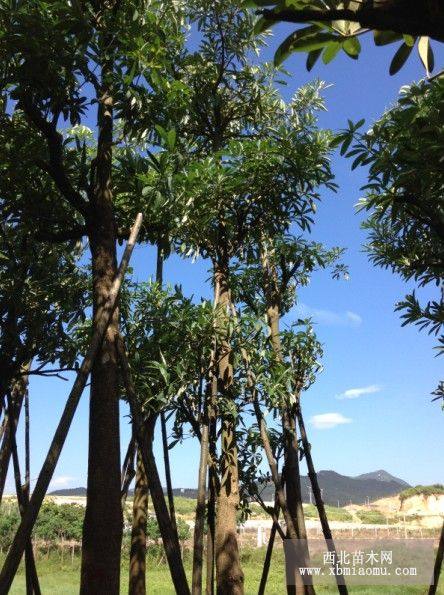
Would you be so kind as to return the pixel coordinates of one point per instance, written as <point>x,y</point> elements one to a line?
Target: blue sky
<point>387,420</point>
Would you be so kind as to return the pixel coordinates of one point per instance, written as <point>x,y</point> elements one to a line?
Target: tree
<point>100,45</point>
<point>37,312</point>
<point>336,25</point>
<point>268,288</point>
<point>404,197</point>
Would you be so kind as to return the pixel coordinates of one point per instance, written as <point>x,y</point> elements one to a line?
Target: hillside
<point>336,488</point>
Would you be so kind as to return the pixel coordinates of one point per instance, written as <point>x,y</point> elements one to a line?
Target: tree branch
<point>76,232</point>
<point>55,167</point>
<point>394,18</point>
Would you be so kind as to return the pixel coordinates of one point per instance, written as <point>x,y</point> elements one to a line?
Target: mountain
<point>336,488</point>
<point>73,492</point>
<point>382,475</point>
<point>79,492</point>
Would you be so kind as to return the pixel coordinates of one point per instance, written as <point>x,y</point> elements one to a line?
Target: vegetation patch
<point>436,489</point>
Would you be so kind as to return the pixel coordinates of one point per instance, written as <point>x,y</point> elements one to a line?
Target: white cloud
<point>62,481</point>
<point>354,393</point>
<point>354,318</point>
<point>329,317</point>
<point>325,421</point>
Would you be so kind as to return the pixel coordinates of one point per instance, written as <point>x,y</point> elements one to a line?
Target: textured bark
<point>291,450</point>
<point>229,575</point>
<point>438,564</point>
<point>166,452</point>
<point>342,588</point>
<point>267,561</point>
<point>15,403</point>
<point>32,583</point>
<point>199,524</point>
<point>292,529</point>
<point>144,433</point>
<point>137,565</point>
<point>103,525</point>
<point>30,516</point>
<point>212,496</point>
<point>166,462</point>
<point>22,491</point>
<point>128,471</point>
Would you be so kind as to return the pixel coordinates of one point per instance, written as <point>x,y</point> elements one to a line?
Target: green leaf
<point>409,39</point>
<point>400,58</point>
<point>171,138</point>
<point>303,40</point>
<point>254,3</point>
<point>330,52</point>
<point>386,37</point>
<point>312,58</point>
<point>262,25</point>
<point>352,47</point>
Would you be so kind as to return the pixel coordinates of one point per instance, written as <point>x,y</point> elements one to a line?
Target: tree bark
<point>229,575</point>
<point>137,565</point>
<point>342,588</point>
<point>438,564</point>
<point>199,524</point>
<point>166,462</point>
<point>11,420</point>
<point>212,495</point>
<point>267,561</point>
<point>28,520</point>
<point>22,491</point>
<point>291,450</point>
<point>128,471</point>
<point>166,454</point>
<point>144,433</point>
<point>103,525</point>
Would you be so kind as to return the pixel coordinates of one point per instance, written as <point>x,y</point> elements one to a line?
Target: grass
<point>57,577</point>
<point>185,507</point>
<point>371,517</point>
<point>333,513</point>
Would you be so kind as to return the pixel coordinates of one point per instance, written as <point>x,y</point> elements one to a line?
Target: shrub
<point>432,490</point>
<point>9,521</point>
<point>371,517</point>
<point>333,513</point>
<point>59,521</point>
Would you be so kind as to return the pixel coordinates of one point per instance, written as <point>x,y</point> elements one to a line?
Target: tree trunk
<point>103,525</point>
<point>438,564</point>
<point>166,461</point>
<point>22,491</point>
<point>199,525</point>
<point>342,588</point>
<point>267,561</point>
<point>144,432</point>
<point>166,454</point>
<point>29,518</point>
<point>32,584</point>
<point>294,495</point>
<point>212,495</point>
<point>291,451</point>
<point>12,416</point>
<point>137,565</point>
<point>128,471</point>
<point>229,575</point>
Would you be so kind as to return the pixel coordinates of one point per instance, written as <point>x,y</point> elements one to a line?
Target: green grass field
<point>57,578</point>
